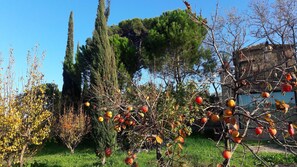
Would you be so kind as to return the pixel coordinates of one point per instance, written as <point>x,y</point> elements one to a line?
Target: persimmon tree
<point>154,117</point>
<point>157,121</point>
<point>25,122</point>
<point>264,112</point>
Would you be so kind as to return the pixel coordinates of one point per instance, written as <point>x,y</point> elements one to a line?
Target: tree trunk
<point>22,155</point>
<point>103,160</point>
<point>159,156</point>
<point>178,72</point>
<point>227,147</point>
<point>72,150</point>
<point>9,161</point>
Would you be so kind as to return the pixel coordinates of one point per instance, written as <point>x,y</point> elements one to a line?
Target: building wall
<point>256,65</point>
<point>255,68</point>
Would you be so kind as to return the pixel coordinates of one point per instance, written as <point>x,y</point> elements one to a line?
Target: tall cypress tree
<point>104,83</point>
<point>85,64</point>
<point>68,66</point>
<point>68,90</point>
<point>77,75</point>
<point>103,58</point>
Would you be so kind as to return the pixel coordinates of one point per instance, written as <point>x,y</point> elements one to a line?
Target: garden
<point>209,96</point>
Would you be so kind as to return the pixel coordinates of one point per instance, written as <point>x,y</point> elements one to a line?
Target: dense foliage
<point>104,85</point>
<point>174,48</point>
<point>71,74</point>
<point>25,122</point>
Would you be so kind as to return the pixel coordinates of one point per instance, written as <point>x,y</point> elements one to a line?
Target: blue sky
<point>27,23</point>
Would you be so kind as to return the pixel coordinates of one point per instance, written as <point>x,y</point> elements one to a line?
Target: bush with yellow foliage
<point>24,121</point>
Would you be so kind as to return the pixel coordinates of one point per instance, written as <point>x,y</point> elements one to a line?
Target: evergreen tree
<point>127,40</point>
<point>104,84</point>
<point>103,58</point>
<point>68,67</point>
<point>71,72</point>
<point>174,48</point>
<point>77,76</point>
<point>126,60</point>
<point>85,63</point>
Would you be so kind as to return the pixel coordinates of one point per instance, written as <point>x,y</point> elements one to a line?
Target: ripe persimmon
<point>231,103</point>
<point>227,154</point>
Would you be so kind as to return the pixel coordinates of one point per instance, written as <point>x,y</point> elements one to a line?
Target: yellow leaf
<point>268,119</point>
<point>159,139</point>
<point>286,108</point>
<point>180,139</point>
<point>180,146</point>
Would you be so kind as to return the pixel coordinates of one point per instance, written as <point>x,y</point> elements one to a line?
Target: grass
<point>198,151</point>
<point>57,155</point>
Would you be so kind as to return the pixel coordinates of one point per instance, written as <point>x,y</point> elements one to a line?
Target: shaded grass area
<point>198,151</point>
<point>57,155</point>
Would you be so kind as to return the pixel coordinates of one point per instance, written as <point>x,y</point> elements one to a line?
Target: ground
<point>268,148</point>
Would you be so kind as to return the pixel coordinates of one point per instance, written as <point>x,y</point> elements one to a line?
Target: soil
<point>268,148</point>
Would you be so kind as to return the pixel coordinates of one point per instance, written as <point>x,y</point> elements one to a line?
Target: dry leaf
<point>182,133</point>
<point>180,146</point>
<point>159,139</point>
<point>281,105</point>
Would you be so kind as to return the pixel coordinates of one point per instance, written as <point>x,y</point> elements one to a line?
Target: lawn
<point>198,151</point>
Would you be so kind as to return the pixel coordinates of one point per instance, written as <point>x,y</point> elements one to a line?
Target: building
<point>256,65</point>
<point>260,68</point>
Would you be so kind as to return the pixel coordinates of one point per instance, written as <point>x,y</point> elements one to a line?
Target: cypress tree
<point>85,64</point>
<point>77,75</point>
<point>103,58</point>
<point>68,68</point>
<point>104,84</point>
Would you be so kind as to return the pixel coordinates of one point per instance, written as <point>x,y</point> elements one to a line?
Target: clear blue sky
<point>27,23</point>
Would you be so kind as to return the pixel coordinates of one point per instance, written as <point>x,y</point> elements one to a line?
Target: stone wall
<point>256,67</point>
